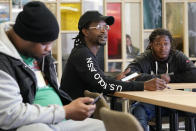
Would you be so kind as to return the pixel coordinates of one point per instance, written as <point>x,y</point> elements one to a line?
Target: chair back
<point>99,104</point>
<point>119,121</point>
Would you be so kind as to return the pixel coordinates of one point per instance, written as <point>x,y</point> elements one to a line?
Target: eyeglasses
<point>101,27</point>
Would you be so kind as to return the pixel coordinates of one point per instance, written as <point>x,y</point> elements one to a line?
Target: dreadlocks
<point>158,32</point>
<point>79,39</point>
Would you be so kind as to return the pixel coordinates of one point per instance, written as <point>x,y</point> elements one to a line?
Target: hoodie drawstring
<point>43,63</point>
<point>167,65</point>
<point>156,64</point>
<point>156,68</point>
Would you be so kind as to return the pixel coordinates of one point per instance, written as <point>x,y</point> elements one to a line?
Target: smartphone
<point>97,98</point>
<point>129,77</point>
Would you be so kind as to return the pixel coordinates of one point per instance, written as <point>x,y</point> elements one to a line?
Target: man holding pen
<point>160,60</point>
<point>82,70</point>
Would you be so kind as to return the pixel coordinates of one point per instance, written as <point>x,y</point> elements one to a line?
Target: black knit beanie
<point>36,23</point>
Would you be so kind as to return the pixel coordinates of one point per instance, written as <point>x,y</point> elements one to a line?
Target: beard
<point>102,40</point>
<point>101,44</point>
<point>29,54</point>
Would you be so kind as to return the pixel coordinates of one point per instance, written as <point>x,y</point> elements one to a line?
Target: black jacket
<point>26,78</point>
<point>82,72</point>
<point>177,64</point>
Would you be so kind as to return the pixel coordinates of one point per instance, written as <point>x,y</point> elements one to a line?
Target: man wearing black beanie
<point>30,98</point>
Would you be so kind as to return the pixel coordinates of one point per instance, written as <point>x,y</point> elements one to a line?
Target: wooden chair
<point>99,104</point>
<point>119,121</point>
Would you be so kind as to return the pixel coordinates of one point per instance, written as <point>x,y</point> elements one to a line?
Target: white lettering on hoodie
<point>98,77</point>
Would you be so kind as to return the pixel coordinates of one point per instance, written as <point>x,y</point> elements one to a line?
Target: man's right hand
<point>79,109</point>
<point>155,84</point>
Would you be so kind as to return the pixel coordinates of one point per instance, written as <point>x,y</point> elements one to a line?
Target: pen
<point>171,73</point>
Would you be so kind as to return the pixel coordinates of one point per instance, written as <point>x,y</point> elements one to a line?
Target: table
<point>182,85</point>
<point>174,99</point>
<point>175,86</point>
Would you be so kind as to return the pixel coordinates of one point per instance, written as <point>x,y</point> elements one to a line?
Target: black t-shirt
<point>82,72</point>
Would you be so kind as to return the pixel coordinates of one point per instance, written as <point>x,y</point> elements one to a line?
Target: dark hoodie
<point>180,68</point>
<point>82,72</point>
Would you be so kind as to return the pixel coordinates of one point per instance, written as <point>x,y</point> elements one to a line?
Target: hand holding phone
<point>129,77</point>
<point>97,98</point>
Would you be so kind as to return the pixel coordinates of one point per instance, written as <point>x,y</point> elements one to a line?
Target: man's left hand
<point>123,74</point>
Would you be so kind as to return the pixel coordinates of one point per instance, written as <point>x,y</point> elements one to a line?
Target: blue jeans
<point>143,112</point>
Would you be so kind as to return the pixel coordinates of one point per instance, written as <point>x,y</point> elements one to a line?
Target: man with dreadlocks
<point>163,61</point>
<point>82,71</point>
